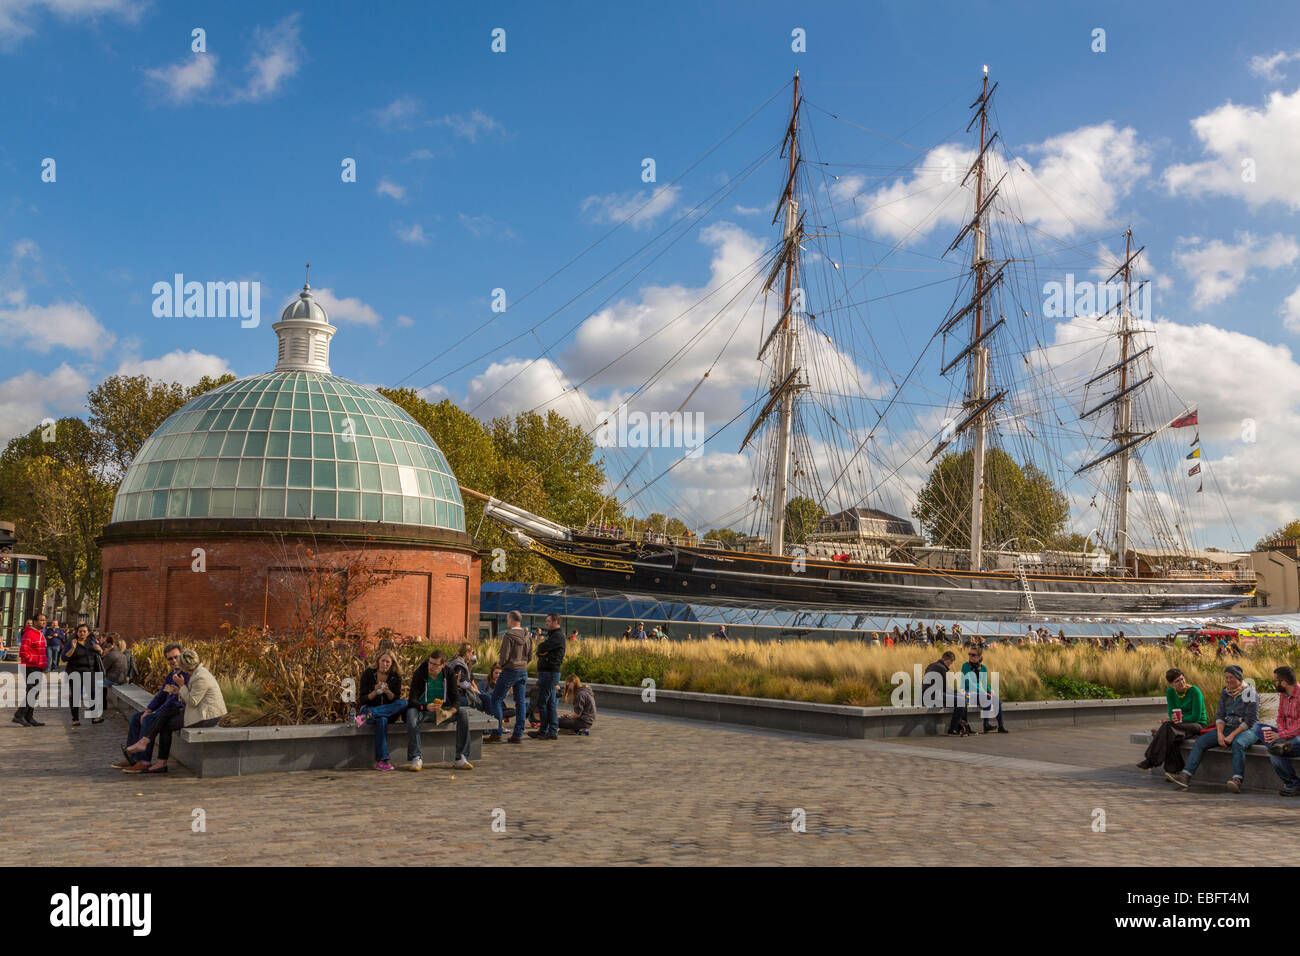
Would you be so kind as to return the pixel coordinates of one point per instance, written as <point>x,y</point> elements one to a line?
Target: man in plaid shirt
<point>1283,745</point>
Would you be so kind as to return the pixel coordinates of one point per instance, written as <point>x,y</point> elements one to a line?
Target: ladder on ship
<point>1024,585</point>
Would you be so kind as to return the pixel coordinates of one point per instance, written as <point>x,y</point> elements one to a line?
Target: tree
<point>1288,532</point>
<point>801,517</point>
<point>59,500</point>
<point>541,464</point>
<point>126,409</point>
<point>1020,502</point>
<point>727,536</point>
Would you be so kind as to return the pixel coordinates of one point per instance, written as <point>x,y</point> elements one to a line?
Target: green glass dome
<point>292,445</point>
<point>297,442</point>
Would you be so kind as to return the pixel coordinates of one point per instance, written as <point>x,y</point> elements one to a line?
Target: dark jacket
<point>550,653</point>
<point>82,659</point>
<point>165,703</point>
<point>369,677</point>
<point>420,679</point>
<point>933,683</point>
<point>1242,709</point>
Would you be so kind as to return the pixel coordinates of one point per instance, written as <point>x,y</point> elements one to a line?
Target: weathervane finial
<point>306,282</point>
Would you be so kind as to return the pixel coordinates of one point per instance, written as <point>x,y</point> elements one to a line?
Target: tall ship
<point>992,410</point>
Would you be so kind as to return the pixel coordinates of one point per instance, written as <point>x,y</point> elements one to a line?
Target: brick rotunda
<point>245,499</point>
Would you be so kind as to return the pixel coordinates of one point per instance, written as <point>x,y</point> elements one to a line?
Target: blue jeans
<point>52,654</point>
<point>142,726</point>
<point>1240,744</point>
<point>415,717</point>
<point>379,716</point>
<point>1283,767</point>
<point>518,680</point>
<point>548,710</point>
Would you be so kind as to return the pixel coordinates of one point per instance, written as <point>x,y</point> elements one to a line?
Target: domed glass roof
<point>292,444</point>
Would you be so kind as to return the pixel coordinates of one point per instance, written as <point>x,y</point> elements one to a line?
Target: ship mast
<point>979,363</point>
<point>1126,439</point>
<point>978,309</point>
<point>785,368</point>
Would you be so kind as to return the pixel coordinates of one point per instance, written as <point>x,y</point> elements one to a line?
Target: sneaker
<point>19,719</point>
<point>360,719</point>
<point>1289,792</point>
<point>383,765</point>
<point>536,735</point>
<point>1235,785</point>
<point>417,764</point>
<point>1182,778</point>
<point>462,764</point>
<point>32,722</point>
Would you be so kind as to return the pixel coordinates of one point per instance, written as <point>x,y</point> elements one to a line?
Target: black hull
<point>700,574</point>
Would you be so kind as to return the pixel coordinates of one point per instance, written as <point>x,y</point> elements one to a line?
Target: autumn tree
<point>56,494</point>
<point>1020,502</point>
<point>126,409</point>
<point>1288,532</point>
<point>801,517</point>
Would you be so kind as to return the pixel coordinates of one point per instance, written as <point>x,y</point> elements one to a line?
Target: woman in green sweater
<point>1185,718</point>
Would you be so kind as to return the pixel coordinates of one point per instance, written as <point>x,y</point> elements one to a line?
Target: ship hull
<point>699,574</point>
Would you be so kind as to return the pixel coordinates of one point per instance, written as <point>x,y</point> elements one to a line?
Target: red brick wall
<point>150,588</point>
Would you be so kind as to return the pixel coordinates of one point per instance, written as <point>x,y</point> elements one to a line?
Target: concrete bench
<point>1216,766</point>
<point>232,751</point>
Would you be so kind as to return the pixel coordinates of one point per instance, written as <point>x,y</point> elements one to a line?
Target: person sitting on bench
<point>1185,718</point>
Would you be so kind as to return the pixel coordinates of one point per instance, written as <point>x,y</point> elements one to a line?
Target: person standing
<point>82,665</point>
<point>33,659</point>
<point>516,652</point>
<point>54,640</point>
<point>550,655</point>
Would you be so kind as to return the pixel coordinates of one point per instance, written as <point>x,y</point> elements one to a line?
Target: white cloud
<point>471,125</point>
<point>486,227</point>
<point>515,384</point>
<point>1250,154</point>
<point>179,365</point>
<point>183,81</point>
<point>277,55</point>
<point>1077,183</point>
<point>343,310</point>
<point>1217,268</point>
<point>1290,311</point>
<point>1229,377</point>
<point>405,112</point>
<point>413,234</point>
<point>404,321</point>
<point>390,189</point>
<point>30,397</point>
<point>40,328</point>
<point>17,17</point>
<point>1267,65</point>
<point>639,209</point>
<point>747,210</point>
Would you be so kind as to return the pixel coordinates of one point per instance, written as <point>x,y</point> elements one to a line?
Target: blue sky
<point>479,170</point>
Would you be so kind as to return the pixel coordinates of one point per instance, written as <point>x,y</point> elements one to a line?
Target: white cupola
<point>305,332</point>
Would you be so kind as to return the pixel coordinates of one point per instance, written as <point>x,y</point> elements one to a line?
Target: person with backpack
<point>516,652</point>
<point>33,659</point>
<point>550,655</point>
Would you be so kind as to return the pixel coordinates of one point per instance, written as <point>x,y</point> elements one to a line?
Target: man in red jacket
<point>32,658</point>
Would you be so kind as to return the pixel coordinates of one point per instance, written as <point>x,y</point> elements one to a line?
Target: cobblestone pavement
<point>642,790</point>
